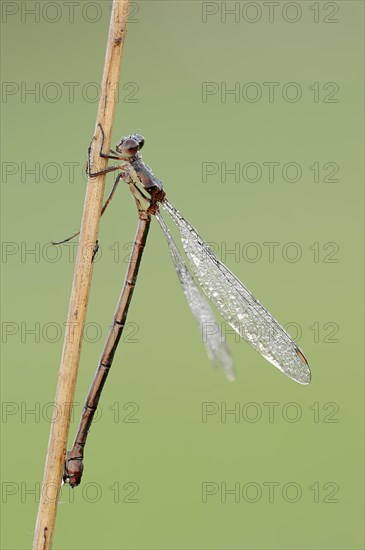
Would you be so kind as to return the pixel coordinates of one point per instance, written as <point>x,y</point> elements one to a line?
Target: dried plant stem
<point>81,286</point>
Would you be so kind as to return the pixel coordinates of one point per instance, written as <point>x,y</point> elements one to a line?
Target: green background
<point>162,380</point>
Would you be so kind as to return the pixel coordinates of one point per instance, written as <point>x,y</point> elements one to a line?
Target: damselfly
<point>231,298</point>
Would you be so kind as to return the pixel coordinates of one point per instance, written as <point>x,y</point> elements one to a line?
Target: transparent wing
<point>217,350</point>
<point>239,307</point>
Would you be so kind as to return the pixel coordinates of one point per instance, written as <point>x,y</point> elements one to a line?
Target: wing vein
<point>246,315</point>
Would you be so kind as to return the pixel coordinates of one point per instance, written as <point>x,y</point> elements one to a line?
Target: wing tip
<point>305,376</point>
<point>305,379</point>
<point>231,376</point>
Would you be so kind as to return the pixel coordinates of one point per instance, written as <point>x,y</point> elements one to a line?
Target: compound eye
<point>129,147</point>
<point>140,140</point>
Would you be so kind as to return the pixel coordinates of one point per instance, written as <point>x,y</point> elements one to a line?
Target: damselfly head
<point>130,145</point>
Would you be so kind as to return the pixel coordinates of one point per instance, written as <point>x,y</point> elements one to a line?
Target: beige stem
<point>56,451</point>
